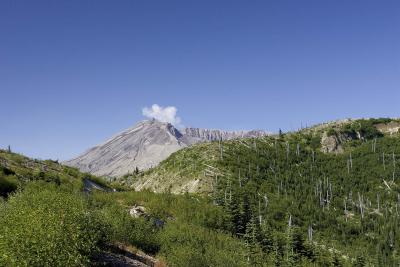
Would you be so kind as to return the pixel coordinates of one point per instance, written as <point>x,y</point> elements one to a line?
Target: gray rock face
<point>214,135</point>
<point>391,128</point>
<point>141,146</point>
<point>144,146</point>
<point>333,143</point>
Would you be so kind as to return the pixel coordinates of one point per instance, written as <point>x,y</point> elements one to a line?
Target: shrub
<point>45,226</point>
<point>365,128</point>
<point>331,132</point>
<point>123,228</point>
<point>190,245</point>
<point>8,184</point>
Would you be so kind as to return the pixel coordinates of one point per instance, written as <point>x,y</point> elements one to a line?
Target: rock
<point>137,211</point>
<point>124,256</point>
<point>140,211</point>
<point>331,144</point>
<point>107,258</point>
<point>390,128</point>
<point>89,186</point>
<point>215,135</point>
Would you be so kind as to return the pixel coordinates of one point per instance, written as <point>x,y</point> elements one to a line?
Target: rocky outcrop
<point>334,143</point>
<point>214,135</point>
<point>137,211</point>
<point>390,128</point>
<point>331,144</point>
<point>336,134</point>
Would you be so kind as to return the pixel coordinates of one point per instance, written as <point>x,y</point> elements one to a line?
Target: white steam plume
<point>163,114</point>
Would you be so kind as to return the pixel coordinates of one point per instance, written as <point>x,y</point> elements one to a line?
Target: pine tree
<point>288,251</point>
<point>251,237</point>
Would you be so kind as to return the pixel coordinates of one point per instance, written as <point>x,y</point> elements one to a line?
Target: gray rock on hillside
<point>214,135</point>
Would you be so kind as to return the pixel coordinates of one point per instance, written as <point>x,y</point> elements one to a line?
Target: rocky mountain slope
<point>144,146</point>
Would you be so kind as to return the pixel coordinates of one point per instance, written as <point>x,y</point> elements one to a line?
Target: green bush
<point>46,226</point>
<point>8,184</point>
<point>189,245</point>
<point>123,228</point>
<point>331,132</point>
<point>365,128</point>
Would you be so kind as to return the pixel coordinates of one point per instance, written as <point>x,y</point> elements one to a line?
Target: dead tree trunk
<point>310,233</point>
<point>361,205</point>
<point>383,160</point>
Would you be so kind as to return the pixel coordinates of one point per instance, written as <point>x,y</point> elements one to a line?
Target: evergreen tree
<point>251,237</point>
<point>289,245</point>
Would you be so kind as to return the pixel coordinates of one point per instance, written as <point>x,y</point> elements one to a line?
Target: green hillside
<point>293,204</point>
<point>193,169</point>
<point>17,170</point>
<point>46,219</point>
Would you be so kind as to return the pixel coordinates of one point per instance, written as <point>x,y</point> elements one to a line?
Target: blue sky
<point>73,73</point>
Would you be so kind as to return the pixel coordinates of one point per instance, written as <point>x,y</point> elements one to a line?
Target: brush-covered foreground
<point>52,222</point>
<point>52,225</point>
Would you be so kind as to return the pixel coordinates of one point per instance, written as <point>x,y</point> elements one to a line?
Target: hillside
<point>192,169</point>
<point>17,170</point>
<point>48,218</point>
<point>345,202</point>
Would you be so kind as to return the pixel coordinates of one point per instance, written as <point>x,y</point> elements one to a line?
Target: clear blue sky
<point>73,73</point>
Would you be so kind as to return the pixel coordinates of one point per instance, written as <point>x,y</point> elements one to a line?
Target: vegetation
<point>293,205</point>
<point>302,206</point>
<point>193,232</point>
<point>17,171</point>
<point>43,226</point>
<point>272,201</point>
<point>51,222</point>
<point>365,129</point>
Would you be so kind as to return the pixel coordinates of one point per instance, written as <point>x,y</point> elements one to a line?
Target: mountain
<point>144,146</point>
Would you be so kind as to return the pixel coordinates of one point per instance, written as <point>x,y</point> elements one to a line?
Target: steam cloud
<point>163,114</point>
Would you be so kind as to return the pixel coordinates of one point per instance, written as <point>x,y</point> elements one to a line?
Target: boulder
<point>331,144</point>
<point>137,211</point>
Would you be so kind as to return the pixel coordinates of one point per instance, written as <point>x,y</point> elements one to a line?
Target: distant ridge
<point>145,145</point>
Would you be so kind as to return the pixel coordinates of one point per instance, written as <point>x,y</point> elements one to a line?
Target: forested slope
<point>294,204</point>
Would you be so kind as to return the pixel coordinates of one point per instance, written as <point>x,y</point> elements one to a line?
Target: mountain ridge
<point>145,145</point>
